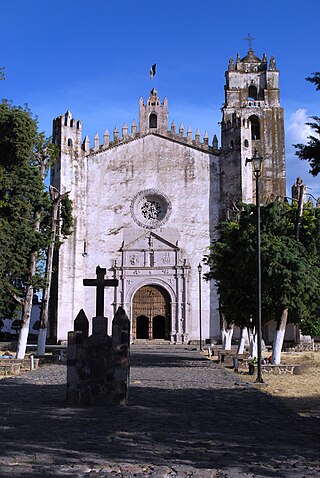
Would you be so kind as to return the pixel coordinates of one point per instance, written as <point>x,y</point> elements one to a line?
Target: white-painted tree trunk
<point>253,346</point>
<point>228,333</point>
<point>279,336</point>
<point>22,341</point>
<point>226,330</point>
<point>27,306</point>
<point>243,339</point>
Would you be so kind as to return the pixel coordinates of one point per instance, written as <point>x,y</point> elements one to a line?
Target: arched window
<point>252,93</point>
<point>70,142</point>
<point>255,127</point>
<point>153,120</point>
<point>246,143</point>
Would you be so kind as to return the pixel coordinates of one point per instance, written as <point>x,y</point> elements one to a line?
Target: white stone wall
<point>105,185</point>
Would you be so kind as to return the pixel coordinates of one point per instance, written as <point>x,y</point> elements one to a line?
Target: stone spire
<point>106,139</point>
<point>96,142</point>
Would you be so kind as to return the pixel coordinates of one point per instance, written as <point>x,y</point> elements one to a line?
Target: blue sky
<point>93,58</point>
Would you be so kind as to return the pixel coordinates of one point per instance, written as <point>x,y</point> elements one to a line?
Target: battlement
<point>67,133</point>
<point>127,137</point>
<point>66,120</point>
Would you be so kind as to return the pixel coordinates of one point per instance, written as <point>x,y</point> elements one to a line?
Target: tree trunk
<point>279,336</point>
<point>44,317</point>
<point>27,306</point>
<point>226,330</point>
<point>228,337</point>
<point>243,339</point>
<point>253,346</point>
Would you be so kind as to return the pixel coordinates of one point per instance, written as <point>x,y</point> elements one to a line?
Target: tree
<point>290,271</point>
<point>66,217</point>
<point>25,212</point>
<point>311,151</point>
<point>21,192</point>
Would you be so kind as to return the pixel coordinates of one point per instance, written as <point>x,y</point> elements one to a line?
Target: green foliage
<point>25,205</point>
<point>66,217</point>
<point>310,327</point>
<point>311,151</point>
<point>290,269</point>
<point>315,79</point>
<point>21,191</point>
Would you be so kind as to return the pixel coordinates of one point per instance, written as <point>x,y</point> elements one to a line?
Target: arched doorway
<point>151,313</point>
<point>142,323</point>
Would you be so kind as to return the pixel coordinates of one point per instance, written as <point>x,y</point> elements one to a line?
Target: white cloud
<point>298,131</point>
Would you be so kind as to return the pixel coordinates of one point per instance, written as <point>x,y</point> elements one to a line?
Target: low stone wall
<point>98,366</point>
<point>304,347</point>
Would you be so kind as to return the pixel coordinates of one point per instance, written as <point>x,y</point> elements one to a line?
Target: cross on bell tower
<point>250,39</point>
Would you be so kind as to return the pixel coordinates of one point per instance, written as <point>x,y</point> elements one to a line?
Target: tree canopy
<point>290,269</point>
<point>25,205</point>
<point>311,150</point>
<point>21,194</point>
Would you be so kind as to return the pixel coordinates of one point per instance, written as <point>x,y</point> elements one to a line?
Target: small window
<point>70,142</point>
<point>246,143</point>
<point>252,93</point>
<point>255,127</point>
<point>231,144</point>
<point>153,120</point>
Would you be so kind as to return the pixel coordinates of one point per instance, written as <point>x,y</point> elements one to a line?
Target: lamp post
<point>200,305</point>
<point>256,161</point>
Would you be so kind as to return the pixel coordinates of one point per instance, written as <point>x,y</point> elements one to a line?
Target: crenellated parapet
<point>188,139</point>
<point>153,120</point>
<point>67,133</point>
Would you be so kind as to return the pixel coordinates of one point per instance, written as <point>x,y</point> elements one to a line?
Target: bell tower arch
<point>252,118</point>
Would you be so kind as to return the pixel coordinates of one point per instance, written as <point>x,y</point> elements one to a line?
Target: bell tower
<point>252,118</point>
<point>153,116</point>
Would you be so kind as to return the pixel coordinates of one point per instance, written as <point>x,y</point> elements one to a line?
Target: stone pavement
<point>187,418</point>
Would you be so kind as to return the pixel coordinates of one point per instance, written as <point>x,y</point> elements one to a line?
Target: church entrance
<point>151,313</point>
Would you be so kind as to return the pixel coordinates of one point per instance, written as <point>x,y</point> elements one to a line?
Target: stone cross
<point>100,283</point>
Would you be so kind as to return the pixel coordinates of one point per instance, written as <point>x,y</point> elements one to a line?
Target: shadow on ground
<point>204,428</point>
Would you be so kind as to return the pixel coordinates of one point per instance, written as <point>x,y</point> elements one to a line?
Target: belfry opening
<point>151,313</point>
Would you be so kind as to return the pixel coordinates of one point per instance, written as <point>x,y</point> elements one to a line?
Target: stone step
<point>151,342</point>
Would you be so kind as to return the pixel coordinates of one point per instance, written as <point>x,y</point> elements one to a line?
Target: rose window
<point>150,208</point>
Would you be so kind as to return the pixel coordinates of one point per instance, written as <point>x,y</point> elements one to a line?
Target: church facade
<point>147,203</point>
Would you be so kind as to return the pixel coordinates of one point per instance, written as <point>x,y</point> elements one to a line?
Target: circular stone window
<point>150,209</point>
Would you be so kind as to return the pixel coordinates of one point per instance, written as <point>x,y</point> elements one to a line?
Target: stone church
<point>147,203</point>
